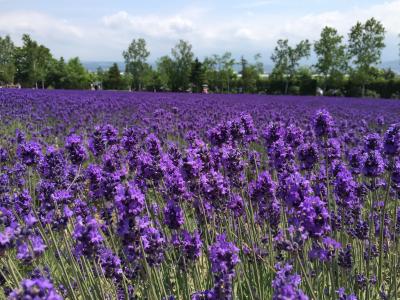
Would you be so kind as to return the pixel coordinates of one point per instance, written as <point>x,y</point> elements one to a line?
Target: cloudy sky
<point>100,30</point>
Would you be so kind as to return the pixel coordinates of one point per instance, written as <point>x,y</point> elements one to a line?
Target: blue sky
<point>101,30</point>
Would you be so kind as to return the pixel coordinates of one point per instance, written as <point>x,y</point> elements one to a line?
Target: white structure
<point>319,91</point>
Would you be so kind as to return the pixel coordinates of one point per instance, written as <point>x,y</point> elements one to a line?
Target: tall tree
<point>57,74</point>
<point>182,58</point>
<point>331,54</point>
<point>197,76</point>
<point>76,75</point>
<point>33,62</point>
<point>7,60</point>
<point>165,70</point>
<point>287,59</point>
<point>366,42</point>
<point>136,62</point>
<point>219,71</point>
<point>250,73</point>
<point>210,69</point>
<point>113,79</point>
<point>227,71</point>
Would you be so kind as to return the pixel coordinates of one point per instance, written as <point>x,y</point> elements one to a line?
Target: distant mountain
<point>92,66</point>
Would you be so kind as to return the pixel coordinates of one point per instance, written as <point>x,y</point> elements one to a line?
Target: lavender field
<point>113,195</point>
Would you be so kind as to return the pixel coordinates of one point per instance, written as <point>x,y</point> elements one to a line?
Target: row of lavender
<point>174,196</point>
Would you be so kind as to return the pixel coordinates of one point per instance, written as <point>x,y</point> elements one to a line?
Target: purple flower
<point>153,145</point>
<point>219,135</point>
<point>324,252</point>
<point>37,288</point>
<point>333,149</point>
<point>396,176</point>
<point>22,203</point>
<point>76,151</point>
<point>314,217</point>
<point>281,156</point>
<point>232,163</point>
<point>130,139</point>
<point>188,244</point>
<point>129,200</point>
<point>203,295</point>
<point>215,188</point>
<point>308,156</point>
<point>294,136</point>
<point>109,135</point>
<point>373,142</point>
<point>173,215</point>
<point>250,131</point>
<point>273,133</point>
<point>236,205</point>
<point>110,264</point>
<point>391,142</point>
<point>345,189</point>
<point>153,246</point>
<point>343,296</point>
<point>323,124</point>
<point>224,256</point>
<point>96,143</point>
<point>87,236</point>
<point>30,249</point>
<point>373,164</point>
<point>53,166</point>
<point>355,160</point>
<point>286,284</point>
<point>345,259</point>
<point>30,153</point>
<point>4,156</point>
<point>294,188</point>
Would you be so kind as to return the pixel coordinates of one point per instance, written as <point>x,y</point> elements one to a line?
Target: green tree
<point>366,42</point>
<point>250,74</point>
<point>113,79</point>
<point>219,71</point>
<point>211,76</point>
<point>182,58</point>
<point>286,60</point>
<point>76,75</point>
<point>227,71</point>
<point>197,75</point>
<point>57,74</point>
<point>127,81</point>
<point>7,60</point>
<point>165,71</point>
<point>136,62</point>
<point>305,83</point>
<point>331,54</point>
<point>33,62</point>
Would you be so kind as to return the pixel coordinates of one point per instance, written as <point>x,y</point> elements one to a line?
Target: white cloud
<point>261,28</point>
<point>38,24</point>
<point>149,25</point>
<point>243,31</point>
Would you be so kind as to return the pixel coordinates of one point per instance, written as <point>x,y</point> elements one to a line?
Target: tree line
<point>347,67</point>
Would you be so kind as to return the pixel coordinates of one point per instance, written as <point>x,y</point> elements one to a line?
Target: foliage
<point>287,58</point>
<point>332,57</point>
<point>7,60</point>
<point>136,62</point>
<point>366,42</point>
